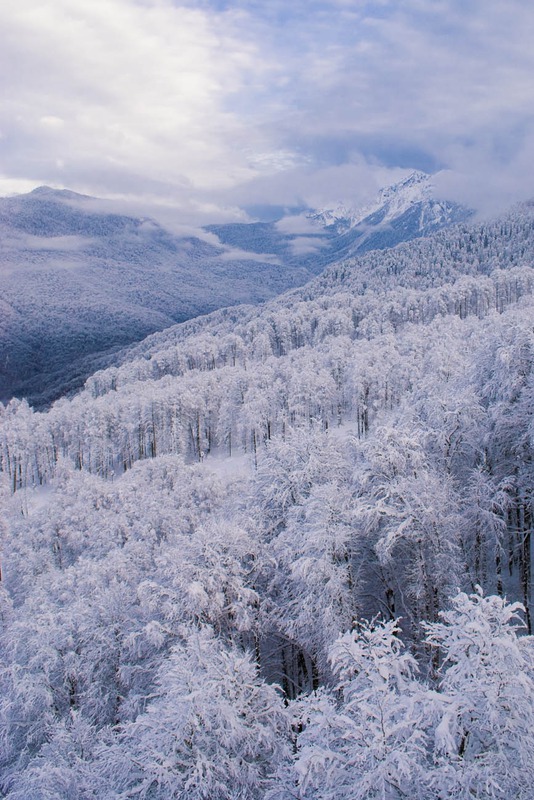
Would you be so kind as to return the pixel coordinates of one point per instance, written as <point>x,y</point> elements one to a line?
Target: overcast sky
<point>211,106</point>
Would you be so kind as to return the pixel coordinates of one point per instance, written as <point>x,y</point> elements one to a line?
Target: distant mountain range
<point>78,282</point>
<point>404,211</point>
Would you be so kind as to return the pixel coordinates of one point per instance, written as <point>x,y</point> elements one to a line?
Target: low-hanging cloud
<point>205,106</point>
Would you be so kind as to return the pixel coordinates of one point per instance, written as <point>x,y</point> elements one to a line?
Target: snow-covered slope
<point>210,514</point>
<point>390,203</point>
<point>463,270</point>
<point>78,282</point>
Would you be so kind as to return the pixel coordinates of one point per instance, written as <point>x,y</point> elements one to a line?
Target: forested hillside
<point>285,552</point>
<point>79,280</point>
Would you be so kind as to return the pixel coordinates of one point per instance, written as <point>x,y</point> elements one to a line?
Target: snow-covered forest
<point>285,552</point>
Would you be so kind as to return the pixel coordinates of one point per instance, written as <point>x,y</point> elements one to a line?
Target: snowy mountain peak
<point>415,178</point>
<point>416,188</point>
<point>391,201</point>
<point>48,193</point>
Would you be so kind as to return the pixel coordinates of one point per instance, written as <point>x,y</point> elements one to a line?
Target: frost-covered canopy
<point>268,556</point>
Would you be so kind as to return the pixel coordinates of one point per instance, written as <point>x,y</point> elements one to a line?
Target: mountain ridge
<point>80,282</point>
<point>419,272</point>
<point>400,212</point>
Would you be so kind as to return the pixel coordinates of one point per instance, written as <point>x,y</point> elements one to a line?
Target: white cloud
<point>297,224</point>
<point>124,87</point>
<point>199,106</point>
<point>355,182</point>
<point>306,245</point>
<point>51,123</point>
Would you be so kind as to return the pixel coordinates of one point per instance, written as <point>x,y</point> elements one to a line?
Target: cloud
<point>297,224</point>
<point>202,107</point>
<point>71,244</point>
<point>429,85</point>
<point>316,186</point>
<point>126,88</point>
<point>306,245</point>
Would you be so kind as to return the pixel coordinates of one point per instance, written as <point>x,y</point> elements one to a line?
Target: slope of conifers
<point>223,506</point>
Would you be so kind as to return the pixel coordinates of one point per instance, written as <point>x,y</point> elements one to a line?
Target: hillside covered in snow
<point>78,282</point>
<point>285,551</point>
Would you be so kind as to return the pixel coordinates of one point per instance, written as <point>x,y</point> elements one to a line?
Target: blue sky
<point>201,109</point>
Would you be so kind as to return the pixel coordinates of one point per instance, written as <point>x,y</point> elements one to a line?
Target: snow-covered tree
<point>369,739</point>
<point>410,512</point>
<point>214,729</point>
<point>483,746</point>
